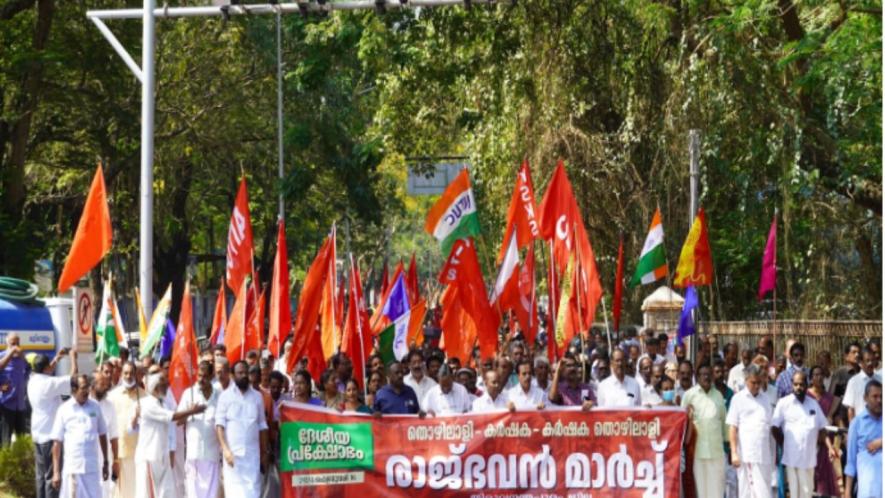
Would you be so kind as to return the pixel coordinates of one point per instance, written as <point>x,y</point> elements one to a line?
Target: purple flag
<point>686,321</point>
<point>769,261</point>
<point>168,340</point>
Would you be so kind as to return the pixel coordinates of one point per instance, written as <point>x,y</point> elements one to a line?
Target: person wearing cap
<point>154,476</point>
<point>44,393</point>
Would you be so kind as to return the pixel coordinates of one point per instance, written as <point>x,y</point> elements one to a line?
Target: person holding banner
<point>241,427</point>
<point>447,397</point>
<point>417,379</point>
<point>396,397</point>
<point>570,391</point>
<point>493,399</point>
<point>749,435</point>
<point>524,395</point>
<point>619,389</point>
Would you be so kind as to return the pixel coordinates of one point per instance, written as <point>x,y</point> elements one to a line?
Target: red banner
<point>564,453</point>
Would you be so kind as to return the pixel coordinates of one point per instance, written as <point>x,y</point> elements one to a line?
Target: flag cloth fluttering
<point>306,335</point>
<point>454,215</point>
<point>768,277</point>
<point>397,309</point>
<point>329,307</point>
<point>239,241</point>
<point>166,342</point>
<point>522,213</point>
<point>219,318</point>
<point>183,367</point>
<point>107,327</point>
<point>280,312</point>
<point>235,331</point>
<point>619,287</point>
<point>695,260</point>
<point>686,321</point>
<point>93,238</point>
<point>412,281</point>
<point>652,265</point>
<point>157,326</point>
<point>255,326</point>
<point>379,320</point>
<point>527,311</point>
<point>357,340</point>
<point>142,322</point>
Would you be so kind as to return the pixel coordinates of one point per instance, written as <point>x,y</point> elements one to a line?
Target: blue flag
<point>167,341</point>
<point>686,323</point>
<point>397,301</point>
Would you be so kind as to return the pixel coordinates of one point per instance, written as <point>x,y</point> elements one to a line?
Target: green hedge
<point>17,468</point>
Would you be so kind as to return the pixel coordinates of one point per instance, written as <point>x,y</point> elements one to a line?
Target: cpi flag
<point>611,453</point>
<point>239,241</point>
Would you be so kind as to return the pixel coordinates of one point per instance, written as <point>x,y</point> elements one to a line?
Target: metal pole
<point>280,111</point>
<point>693,173</point>
<point>146,257</point>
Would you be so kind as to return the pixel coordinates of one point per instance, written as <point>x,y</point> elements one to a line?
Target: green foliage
<point>17,467</point>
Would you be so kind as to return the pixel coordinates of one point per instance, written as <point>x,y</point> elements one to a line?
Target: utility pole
<point>694,144</point>
<point>146,208</point>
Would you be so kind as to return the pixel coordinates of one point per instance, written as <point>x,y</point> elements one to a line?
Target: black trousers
<point>43,470</point>
<point>11,422</point>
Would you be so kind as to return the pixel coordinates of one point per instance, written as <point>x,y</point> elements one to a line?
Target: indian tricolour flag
<point>652,264</point>
<point>454,215</point>
<point>107,329</point>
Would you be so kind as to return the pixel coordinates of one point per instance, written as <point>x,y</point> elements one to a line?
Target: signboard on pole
<point>84,318</point>
<point>434,181</point>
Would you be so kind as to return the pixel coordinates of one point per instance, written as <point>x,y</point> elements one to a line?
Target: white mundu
<point>154,476</point>
<point>800,422</point>
<point>752,417</point>
<point>78,427</point>
<point>241,414</point>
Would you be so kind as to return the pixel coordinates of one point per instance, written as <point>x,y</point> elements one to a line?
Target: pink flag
<point>769,260</point>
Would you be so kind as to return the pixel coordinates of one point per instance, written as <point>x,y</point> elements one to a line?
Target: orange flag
<point>93,237</point>
<point>412,280</point>
<point>280,312</point>
<point>183,367</point>
<point>239,240</point>
<point>522,214</point>
<point>357,340</point>
<point>219,319</point>
<point>308,312</point>
<point>329,309</point>
<point>235,332</point>
<point>255,326</point>
<point>559,213</point>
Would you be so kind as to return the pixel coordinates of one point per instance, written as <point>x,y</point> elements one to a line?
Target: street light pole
<point>146,208</point>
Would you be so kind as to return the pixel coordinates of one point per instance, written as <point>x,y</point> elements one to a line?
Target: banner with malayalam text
<point>549,453</point>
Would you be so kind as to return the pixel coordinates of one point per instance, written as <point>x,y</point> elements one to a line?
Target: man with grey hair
<point>447,397</point>
<point>222,374</point>
<point>749,434</point>
<point>154,475</point>
<point>541,380</point>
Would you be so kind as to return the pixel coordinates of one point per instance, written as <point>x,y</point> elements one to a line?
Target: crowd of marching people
<point>762,424</point>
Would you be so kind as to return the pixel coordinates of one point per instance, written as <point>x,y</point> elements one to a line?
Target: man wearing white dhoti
<point>241,427</point>
<point>100,387</point>
<point>749,426</point>
<point>203,454</point>
<point>154,476</point>
<point>80,429</point>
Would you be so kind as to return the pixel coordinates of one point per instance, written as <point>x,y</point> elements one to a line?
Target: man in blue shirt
<point>396,397</point>
<point>864,449</point>
<point>13,390</point>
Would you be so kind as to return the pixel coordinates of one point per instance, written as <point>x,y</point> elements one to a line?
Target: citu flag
<point>306,335</point>
<point>329,309</point>
<point>619,287</point>
<point>235,331</point>
<point>280,319</point>
<point>239,241</point>
<point>695,260</point>
<point>157,326</point>
<point>559,213</point>
<point>462,271</point>
<point>357,340</point>
<point>768,276</point>
<point>219,318</point>
<point>454,215</point>
<point>522,214</point>
<point>93,238</point>
<point>652,265</point>
<point>183,366</point>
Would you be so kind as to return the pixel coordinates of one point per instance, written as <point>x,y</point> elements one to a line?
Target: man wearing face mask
<point>241,428</point>
<point>749,435</point>
<point>796,423</point>
<point>706,407</point>
<point>126,399</point>
<point>154,476</point>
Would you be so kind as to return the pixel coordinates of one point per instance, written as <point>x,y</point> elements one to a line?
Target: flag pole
<point>359,326</point>
<point>551,291</point>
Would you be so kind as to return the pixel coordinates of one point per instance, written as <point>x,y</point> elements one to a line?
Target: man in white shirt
<point>854,391</point>
<point>100,387</point>
<point>222,374</point>
<point>154,476</point>
<point>417,378</point>
<point>736,375</point>
<point>126,400</point>
<point>648,393</point>
<point>448,397</point>
<point>44,394</point>
<point>203,454</point>
<point>493,399</point>
<point>80,428</point>
<point>749,433</point>
<point>618,390</point>
<point>797,420</point>
<point>644,371</point>
<point>241,427</point>
<point>525,396</point>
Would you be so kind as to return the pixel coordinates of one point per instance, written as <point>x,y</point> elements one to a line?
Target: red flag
<point>768,277</point>
<point>527,311</point>
<point>522,212</point>
<point>280,311</point>
<point>357,341</point>
<point>219,319</point>
<point>92,240</point>
<point>255,326</point>
<point>559,214</point>
<point>235,331</point>
<point>308,311</point>
<point>619,287</point>
<point>412,280</point>
<point>328,311</point>
<point>183,367</point>
<point>239,240</point>
<point>459,331</point>
<point>462,270</point>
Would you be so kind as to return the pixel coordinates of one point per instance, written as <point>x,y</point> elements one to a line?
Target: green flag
<point>105,331</point>
<point>385,344</point>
